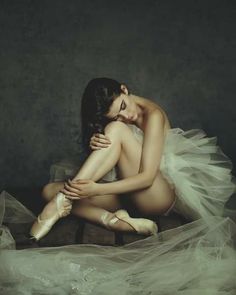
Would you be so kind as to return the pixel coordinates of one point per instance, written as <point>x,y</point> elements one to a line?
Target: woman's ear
<point>124,89</point>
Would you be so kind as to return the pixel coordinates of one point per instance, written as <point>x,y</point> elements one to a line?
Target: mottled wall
<point>178,53</point>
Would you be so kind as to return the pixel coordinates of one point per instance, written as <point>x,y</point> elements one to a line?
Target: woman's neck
<point>143,106</point>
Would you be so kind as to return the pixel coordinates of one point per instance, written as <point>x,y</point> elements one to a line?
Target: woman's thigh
<point>108,202</point>
<point>156,199</point>
<point>153,200</point>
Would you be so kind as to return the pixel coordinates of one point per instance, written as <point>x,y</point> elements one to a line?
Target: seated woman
<point>158,166</point>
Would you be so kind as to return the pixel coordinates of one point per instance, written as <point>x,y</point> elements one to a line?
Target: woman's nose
<point>126,115</point>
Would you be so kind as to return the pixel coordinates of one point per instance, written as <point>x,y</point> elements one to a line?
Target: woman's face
<point>123,108</point>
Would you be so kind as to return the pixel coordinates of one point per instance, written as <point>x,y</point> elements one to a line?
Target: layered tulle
<point>196,258</point>
<point>200,172</point>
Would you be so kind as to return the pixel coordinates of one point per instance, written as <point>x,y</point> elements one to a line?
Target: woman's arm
<point>150,160</point>
<point>149,165</point>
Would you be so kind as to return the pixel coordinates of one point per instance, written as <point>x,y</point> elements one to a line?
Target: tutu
<point>199,171</point>
<point>196,258</point>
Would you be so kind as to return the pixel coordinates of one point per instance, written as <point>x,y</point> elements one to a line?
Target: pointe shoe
<point>142,226</point>
<point>108,221</point>
<point>42,226</point>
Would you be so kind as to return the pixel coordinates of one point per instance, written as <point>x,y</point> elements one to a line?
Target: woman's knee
<point>114,126</point>
<point>117,129</point>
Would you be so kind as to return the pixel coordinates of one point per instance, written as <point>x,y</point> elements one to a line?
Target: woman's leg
<point>107,202</point>
<point>95,167</point>
<point>124,150</point>
<point>95,211</point>
<point>120,221</point>
<point>102,161</point>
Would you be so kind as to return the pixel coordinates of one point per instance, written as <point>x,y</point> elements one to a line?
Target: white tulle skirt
<point>199,171</point>
<point>196,258</point>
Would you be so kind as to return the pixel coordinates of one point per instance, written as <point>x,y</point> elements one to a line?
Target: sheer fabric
<point>199,171</point>
<point>196,258</point>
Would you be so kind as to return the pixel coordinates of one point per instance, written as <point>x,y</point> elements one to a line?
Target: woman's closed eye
<point>122,107</point>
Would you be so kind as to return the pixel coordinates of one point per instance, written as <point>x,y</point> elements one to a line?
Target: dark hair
<point>96,101</point>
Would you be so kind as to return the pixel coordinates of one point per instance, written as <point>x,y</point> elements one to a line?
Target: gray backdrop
<point>179,53</point>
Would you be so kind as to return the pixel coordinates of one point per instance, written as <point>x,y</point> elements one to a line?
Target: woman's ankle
<point>111,222</point>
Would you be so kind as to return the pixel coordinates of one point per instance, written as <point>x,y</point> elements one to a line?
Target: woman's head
<point>97,99</point>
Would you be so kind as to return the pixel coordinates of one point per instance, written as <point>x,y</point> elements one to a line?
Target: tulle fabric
<point>196,258</point>
<point>199,171</point>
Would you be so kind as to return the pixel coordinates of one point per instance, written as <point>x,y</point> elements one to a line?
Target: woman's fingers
<point>101,137</point>
<point>70,195</point>
<point>99,140</point>
<point>72,189</point>
<point>66,192</point>
<point>96,144</point>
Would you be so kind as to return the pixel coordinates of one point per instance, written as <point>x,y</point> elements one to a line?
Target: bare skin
<point>147,187</point>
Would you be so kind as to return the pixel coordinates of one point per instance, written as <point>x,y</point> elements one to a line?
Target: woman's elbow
<point>149,179</point>
<point>150,182</point>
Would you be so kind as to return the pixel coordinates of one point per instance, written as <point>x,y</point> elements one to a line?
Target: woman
<point>158,167</point>
<point>161,168</point>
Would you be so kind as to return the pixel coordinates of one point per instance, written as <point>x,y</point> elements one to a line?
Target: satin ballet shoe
<point>142,226</point>
<point>107,220</point>
<point>42,226</point>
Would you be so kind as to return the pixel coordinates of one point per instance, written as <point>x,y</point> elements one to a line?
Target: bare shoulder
<point>158,118</point>
<point>154,120</point>
<point>156,115</point>
<point>153,109</point>
<point>155,112</point>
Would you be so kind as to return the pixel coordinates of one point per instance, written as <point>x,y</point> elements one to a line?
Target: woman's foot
<point>58,207</point>
<point>142,226</point>
<point>121,220</point>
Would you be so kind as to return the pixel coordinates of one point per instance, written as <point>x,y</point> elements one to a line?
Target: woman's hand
<point>80,189</point>
<point>98,141</point>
